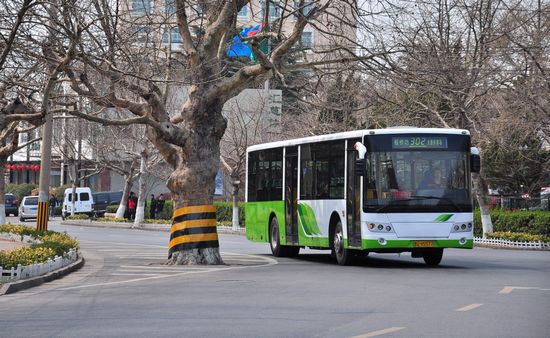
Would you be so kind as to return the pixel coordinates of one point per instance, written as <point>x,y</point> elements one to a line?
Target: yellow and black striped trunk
<point>193,227</point>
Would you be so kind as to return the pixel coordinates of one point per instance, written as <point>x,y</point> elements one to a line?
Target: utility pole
<point>45,167</point>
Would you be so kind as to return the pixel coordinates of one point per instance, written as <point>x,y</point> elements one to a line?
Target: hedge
<point>51,244</point>
<point>224,212</point>
<point>519,237</point>
<point>529,222</point>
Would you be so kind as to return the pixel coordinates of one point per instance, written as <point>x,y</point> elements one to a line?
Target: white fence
<point>497,242</point>
<point>39,269</point>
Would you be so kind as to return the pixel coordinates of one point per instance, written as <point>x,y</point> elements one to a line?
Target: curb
<point>503,247</point>
<point>35,281</point>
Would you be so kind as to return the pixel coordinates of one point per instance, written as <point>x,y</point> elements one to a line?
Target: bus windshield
<point>417,181</point>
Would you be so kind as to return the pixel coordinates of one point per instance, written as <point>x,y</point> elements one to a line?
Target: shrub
<point>518,236</point>
<point>20,190</point>
<point>25,256</point>
<point>529,222</point>
<point>52,244</point>
<point>156,221</point>
<point>78,216</point>
<point>111,209</point>
<point>111,219</point>
<point>59,242</point>
<point>224,212</point>
<point>21,230</point>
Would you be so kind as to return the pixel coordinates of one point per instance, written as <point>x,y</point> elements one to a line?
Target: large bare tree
<point>122,63</point>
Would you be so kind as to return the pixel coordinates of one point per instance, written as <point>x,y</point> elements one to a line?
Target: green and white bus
<point>391,190</point>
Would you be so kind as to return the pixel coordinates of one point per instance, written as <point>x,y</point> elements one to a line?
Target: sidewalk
<point>142,226</point>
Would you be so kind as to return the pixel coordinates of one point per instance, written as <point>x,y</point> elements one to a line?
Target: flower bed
<point>47,248</point>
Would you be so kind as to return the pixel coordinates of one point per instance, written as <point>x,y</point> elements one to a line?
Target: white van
<point>84,202</point>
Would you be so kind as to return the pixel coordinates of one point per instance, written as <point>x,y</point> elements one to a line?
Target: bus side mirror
<point>360,167</point>
<point>475,163</point>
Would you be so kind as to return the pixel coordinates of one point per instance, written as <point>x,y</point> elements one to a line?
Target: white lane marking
<point>122,243</point>
<point>270,261</point>
<point>171,267</point>
<point>379,332</point>
<point>508,289</point>
<point>136,274</point>
<point>469,307</point>
<point>118,250</point>
<point>144,271</point>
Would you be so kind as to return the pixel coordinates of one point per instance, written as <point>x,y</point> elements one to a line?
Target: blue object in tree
<point>239,47</point>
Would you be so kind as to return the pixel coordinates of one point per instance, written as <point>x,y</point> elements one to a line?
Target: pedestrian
<point>131,206</point>
<point>53,204</point>
<point>152,207</point>
<point>160,205</point>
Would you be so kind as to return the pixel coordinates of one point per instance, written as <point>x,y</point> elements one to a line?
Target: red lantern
<point>37,168</point>
<point>18,167</point>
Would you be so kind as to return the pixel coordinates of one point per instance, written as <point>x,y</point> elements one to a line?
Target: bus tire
<point>433,257</point>
<point>277,249</point>
<point>343,256</point>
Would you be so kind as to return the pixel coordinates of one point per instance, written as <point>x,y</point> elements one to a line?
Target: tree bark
<point>125,194</point>
<point>73,197</point>
<point>194,238</point>
<point>2,192</point>
<point>235,218</point>
<point>482,192</point>
<point>140,210</point>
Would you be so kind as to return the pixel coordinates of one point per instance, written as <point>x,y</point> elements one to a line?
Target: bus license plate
<point>423,244</point>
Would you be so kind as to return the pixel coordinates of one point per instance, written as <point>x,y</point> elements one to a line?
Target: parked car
<point>28,208</point>
<point>84,202</point>
<point>11,205</point>
<point>104,199</point>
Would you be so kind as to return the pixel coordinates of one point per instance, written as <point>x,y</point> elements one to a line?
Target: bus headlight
<point>380,227</point>
<point>462,227</point>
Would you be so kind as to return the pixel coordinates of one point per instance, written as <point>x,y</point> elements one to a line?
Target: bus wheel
<point>343,256</point>
<point>433,256</point>
<point>277,249</point>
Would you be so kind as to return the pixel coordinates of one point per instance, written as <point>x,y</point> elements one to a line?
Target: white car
<point>28,208</point>
<point>83,204</point>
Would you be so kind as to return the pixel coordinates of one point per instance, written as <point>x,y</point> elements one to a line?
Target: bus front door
<point>291,195</point>
<point>353,197</point>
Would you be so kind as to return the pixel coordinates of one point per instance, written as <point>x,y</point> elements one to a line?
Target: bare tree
<point>188,136</point>
<point>28,85</point>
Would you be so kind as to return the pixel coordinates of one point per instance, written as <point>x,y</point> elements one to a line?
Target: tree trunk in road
<point>194,238</point>
<point>140,210</point>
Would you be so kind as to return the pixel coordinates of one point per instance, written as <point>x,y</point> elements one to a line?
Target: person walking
<point>131,206</point>
<point>152,207</point>
<point>160,204</point>
<point>53,204</point>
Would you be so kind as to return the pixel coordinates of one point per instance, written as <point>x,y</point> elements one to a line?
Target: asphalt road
<point>125,291</point>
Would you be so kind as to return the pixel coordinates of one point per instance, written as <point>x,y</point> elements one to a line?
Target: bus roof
<point>356,133</point>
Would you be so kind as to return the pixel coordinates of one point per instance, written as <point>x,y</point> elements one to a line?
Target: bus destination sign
<point>419,142</point>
